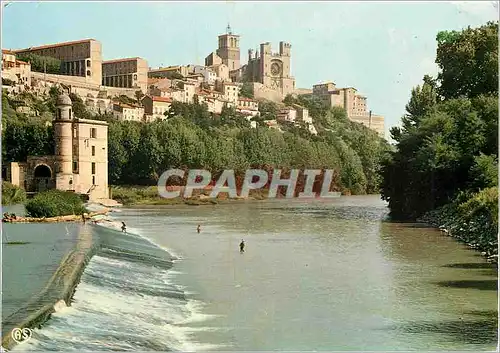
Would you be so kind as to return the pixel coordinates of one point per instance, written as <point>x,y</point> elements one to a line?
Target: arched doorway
<point>42,176</point>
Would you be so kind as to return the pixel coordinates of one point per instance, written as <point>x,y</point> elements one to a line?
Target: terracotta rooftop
<point>56,45</point>
<point>121,60</point>
<point>162,99</point>
<point>245,99</point>
<point>21,62</point>
<point>168,68</point>
<point>6,51</point>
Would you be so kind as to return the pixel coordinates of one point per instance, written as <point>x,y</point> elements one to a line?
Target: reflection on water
<point>327,276</point>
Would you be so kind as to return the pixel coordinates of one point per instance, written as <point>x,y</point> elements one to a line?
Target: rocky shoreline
<point>470,232</point>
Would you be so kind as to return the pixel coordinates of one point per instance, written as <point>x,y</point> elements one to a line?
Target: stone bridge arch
<point>42,177</point>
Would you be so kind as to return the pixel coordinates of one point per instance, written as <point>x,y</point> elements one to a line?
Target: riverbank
<point>471,219</point>
<point>148,195</point>
<point>60,286</point>
<point>431,293</point>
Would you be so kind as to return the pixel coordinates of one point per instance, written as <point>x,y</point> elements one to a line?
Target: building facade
<point>272,70</point>
<point>167,72</point>
<point>17,71</point>
<point>128,112</point>
<point>287,114</point>
<point>353,103</point>
<point>126,73</point>
<point>229,49</point>
<point>82,58</point>
<point>302,114</point>
<point>80,163</point>
<point>209,75</point>
<point>371,121</point>
<point>155,107</point>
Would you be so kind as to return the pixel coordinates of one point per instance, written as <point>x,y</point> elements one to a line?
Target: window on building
<point>88,72</point>
<point>93,168</point>
<point>75,167</point>
<point>70,113</point>
<point>88,63</point>
<point>74,132</point>
<point>93,132</point>
<point>93,179</point>
<point>93,150</point>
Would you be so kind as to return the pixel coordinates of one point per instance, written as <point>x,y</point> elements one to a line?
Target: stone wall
<point>262,92</point>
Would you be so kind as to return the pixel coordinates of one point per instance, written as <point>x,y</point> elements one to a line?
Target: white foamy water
<point>123,304</point>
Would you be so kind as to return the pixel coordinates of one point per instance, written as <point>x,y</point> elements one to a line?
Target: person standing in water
<point>198,229</point>
<point>242,246</point>
<point>124,228</point>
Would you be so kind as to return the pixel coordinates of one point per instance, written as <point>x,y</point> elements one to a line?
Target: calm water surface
<point>315,276</point>
<point>326,276</point>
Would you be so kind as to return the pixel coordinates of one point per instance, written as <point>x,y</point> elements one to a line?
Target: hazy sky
<point>381,48</point>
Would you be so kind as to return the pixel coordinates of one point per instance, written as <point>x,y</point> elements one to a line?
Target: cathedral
<point>267,70</point>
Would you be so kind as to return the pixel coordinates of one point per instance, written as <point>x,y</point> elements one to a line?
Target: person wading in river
<point>124,228</point>
<point>242,246</point>
<point>198,229</point>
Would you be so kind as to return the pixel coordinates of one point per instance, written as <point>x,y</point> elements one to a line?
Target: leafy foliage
<point>42,63</point>
<point>247,90</point>
<point>448,141</point>
<point>468,61</point>
<point>12,194</point>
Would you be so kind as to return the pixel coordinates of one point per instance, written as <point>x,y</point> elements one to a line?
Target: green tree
<point>468,61</point>
<point>446,145</point>
<point>246,90</point>
<point>40,63</point>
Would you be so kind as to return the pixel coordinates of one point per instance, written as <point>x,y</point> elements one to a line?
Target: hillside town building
<point>82,58</point>
<point>126,73</point>
<point>155,107</point>
<point>354,104</point>
<point>217,83</point>
<point>268,71</point>
<point>127,112</point>
<point>16,71</point>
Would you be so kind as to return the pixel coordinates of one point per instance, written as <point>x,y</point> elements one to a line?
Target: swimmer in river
<point>198,229</point>
<point>242,246</point>
<point>124,227</point>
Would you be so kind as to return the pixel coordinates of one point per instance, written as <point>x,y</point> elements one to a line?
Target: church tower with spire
<point>229,49</point>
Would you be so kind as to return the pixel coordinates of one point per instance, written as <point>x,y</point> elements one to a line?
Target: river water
<point>315,275</point>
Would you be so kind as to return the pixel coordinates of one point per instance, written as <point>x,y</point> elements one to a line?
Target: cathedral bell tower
<point>229,49</point>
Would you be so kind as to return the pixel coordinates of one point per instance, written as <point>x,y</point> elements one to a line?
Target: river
<point>315,275</point>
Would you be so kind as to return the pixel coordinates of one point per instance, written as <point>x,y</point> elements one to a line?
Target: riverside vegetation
<point>445,167</point>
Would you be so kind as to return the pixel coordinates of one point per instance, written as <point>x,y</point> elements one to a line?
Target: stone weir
<point>61,286</point>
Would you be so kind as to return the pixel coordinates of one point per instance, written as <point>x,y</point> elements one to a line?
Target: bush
<point>41,63</point>
<point>12,194</point>
<point>471,218</point>
<point>55,203</point>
